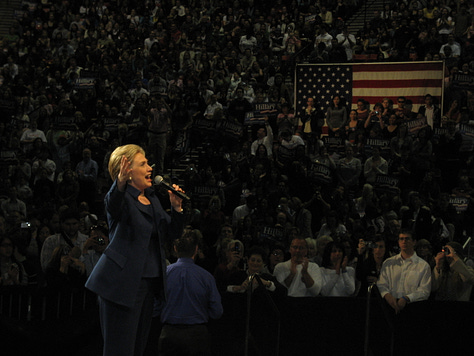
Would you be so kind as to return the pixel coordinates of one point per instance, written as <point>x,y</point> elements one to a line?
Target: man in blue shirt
<point>192,298</point>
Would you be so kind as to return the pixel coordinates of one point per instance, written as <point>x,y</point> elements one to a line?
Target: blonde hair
<point>129,151</point>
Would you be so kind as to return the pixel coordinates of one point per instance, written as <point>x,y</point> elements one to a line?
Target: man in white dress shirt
<point>405,278</point>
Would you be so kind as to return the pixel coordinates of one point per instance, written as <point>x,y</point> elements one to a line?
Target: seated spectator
<point>453,46</point>
<point>452,279</point>
<point>87,171</point>
<point>348,170</point>
<point>31,134</point>
<point>68,235</point>
<point>338,278</point>
<point>13,204</point>
<point>375,165</point>
<point>286,120</point>
<point>213,106</point>
<point>12,272</point>
<point>301,277</point>
<point>67,191</point>
<point>333,227</point>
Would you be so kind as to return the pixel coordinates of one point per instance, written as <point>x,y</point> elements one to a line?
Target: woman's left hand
<point>175,200</point>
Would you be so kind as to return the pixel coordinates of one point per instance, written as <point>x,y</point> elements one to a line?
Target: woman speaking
<point>131,272</point>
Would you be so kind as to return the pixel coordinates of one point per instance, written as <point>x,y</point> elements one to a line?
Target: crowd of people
<point>332,189</point>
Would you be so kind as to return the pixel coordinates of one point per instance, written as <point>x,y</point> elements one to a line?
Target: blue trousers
<point>125,330</point>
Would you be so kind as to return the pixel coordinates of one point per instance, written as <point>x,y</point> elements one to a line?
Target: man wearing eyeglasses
<point>301,277</point>
<point>404,278</point>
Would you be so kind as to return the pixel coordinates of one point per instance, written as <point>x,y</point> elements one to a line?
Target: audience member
<point>404,278</point>
<point>154,71</point>
<point>452,279</point>
<point>301,277</point>
<point>338,278</point>
<point>68,235</point>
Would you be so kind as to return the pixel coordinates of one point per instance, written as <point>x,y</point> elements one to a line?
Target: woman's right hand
<point>125,173</point>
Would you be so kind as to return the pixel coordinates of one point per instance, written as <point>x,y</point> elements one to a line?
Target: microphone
<point>159,181</point>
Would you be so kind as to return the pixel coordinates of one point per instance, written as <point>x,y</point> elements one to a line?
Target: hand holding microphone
<point>159,181</point>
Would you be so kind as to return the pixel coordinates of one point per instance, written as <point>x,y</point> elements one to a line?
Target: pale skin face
<point>298,251</point>
<point>379,250</point>
<point>353,116</point>
<point>276,257</point>
<point>140,172</point>
<point>406,244</point>
<point>255,263</point>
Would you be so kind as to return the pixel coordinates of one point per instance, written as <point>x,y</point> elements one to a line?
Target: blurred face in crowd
<point>298,250</point>
<point>255,263</point>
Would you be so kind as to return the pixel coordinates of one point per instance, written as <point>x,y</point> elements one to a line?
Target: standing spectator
<point>431,112</point>
<point>86,171</point>
<point>301,277</point>
<point>405,278</point>
<point>336,117</point>
<point>326,16</point>
<point>193,299</point>
<point>452,278</point>
<point>12,272</point>
<point>338,278</point>
<point>264,137</point>
<point>368,267</point>
<point>310,123</point>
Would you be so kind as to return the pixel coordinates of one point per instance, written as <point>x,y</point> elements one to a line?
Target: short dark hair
<point>406,231</point>
<point>257,250</point>
<point>186,244</point>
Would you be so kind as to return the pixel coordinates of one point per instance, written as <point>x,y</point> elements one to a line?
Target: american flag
<point>370,81</point>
